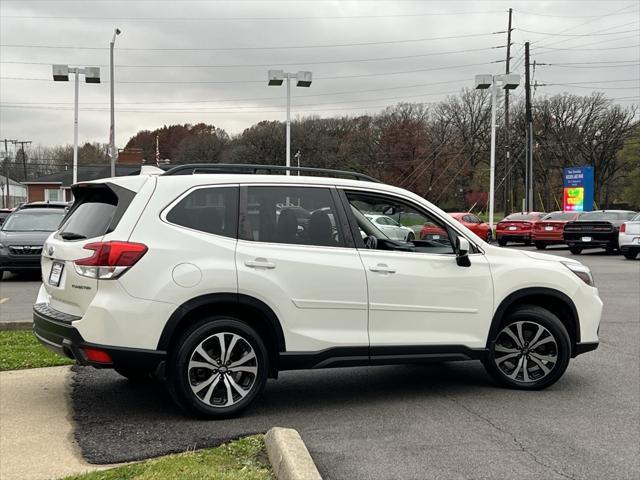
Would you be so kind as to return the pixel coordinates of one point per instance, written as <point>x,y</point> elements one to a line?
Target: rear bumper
<point>514,236</point>
<point>598,240</point>
<point>584,347</point>
<point>547,237</point>
<point>56,332</point>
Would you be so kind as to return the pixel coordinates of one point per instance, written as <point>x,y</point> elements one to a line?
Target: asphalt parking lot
<point>17,294</point>
<point>414,422</point>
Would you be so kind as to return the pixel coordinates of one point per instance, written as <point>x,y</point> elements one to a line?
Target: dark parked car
<point>4,213</point>
<point>597,229</point>
<point>22,236</point>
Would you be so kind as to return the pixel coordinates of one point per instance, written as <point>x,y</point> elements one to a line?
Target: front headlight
<point>581,271</point>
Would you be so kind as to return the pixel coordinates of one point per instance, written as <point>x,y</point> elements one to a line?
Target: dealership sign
<point>578,189</point>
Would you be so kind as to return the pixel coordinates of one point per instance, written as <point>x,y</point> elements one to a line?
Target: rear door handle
<point>260,263</point>
<point>382,268</point>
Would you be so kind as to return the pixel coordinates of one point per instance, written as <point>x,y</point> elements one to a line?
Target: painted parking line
<point>2,300</point>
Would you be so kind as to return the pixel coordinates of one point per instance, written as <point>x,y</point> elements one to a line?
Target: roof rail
<point>193,168</point>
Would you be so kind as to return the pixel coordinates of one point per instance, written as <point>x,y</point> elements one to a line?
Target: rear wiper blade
<point>72,236</point>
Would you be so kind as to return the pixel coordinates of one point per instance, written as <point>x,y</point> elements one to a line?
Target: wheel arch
<point>254,312</point>
<point>553,300</point>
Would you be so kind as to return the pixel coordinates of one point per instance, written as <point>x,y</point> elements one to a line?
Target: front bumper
<point>56,332</point>
<point>19,262</point>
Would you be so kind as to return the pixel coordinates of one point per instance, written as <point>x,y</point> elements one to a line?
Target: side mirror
<point>462,252</point>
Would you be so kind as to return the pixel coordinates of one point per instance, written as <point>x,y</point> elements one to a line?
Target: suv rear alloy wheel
<point>218,369</point>
<point>531,350</point>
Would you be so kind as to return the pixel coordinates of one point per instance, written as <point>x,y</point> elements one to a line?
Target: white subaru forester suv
<point>216,277</point>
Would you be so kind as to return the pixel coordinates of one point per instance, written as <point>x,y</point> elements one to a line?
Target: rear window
<point>521,216</point>
<point>606,216</point>
<point>560,216</point>
<point>94,212</point>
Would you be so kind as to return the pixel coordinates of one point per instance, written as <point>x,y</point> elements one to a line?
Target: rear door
<point>97,210</point>
<point>305,269</point>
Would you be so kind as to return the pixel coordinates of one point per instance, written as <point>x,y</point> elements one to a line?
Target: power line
<point>590,49</point>
<point>282,47</point>
<point>252,19</point>
<point>578,34</point>
<point>246,99</point>
<point>214,82</point>
<point>272,64</point>
<point>537,14</point>
<point>15,104</point>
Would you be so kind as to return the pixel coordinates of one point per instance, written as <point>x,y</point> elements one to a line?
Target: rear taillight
<point>109,259</point>
<point>623,228</point>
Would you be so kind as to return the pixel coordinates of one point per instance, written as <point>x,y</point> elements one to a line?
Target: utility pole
<point>508,197</point>
<point>24,156</point>
<point>5,198</point>
<point>529,133</point>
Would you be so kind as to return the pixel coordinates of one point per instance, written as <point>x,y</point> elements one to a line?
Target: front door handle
<point>382,268</point>
<point>260,263</point>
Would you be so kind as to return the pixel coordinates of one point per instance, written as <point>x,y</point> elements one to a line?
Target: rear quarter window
<point>210,210</point>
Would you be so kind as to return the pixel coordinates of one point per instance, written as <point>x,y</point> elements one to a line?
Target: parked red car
<point>431,231</point>
<point>517,227</point>
<point>473,223</point>
<point>549,230</point>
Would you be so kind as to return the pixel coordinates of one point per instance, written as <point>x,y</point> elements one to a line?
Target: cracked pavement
<point>414,422</point>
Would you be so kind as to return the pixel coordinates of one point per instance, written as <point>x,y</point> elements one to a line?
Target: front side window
<point>210,210</point>
<point>421,231</point>
<point>295,215</point>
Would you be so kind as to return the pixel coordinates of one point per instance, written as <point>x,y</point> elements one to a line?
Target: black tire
<point>1,275</point>
<point>575,250</point>
<point>610,250</point>
<point>531,318</point>
<point>541,245</point>
<point>630,254</point>
<point>180,376</point>
<point>133,374</point>
<point>527,243</point>
<point>411,237</point>
<point>489,237</point>
<point>502,242</point>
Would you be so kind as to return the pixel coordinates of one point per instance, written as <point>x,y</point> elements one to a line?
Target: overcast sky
<point>207,61</point>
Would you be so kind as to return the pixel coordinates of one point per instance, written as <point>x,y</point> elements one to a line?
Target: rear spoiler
<point>150,170</point>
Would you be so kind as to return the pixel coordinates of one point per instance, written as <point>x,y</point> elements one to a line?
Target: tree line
<point>441,150</point>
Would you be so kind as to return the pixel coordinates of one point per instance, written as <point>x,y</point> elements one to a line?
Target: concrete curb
<point>289,456</point>
<point>21,325</point>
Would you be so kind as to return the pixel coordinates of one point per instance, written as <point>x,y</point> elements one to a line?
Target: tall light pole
<point>113,154</point>
<point>91,75</point>
<point>509,82</point>
<point>303,79</point>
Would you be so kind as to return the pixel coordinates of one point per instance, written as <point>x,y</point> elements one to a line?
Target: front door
<point>418,295</point>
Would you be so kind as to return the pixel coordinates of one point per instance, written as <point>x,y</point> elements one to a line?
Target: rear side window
<point>560,216</point>
<point>210,210</point>
<point>92,214</point>
<point>297,215</point>
<point>521,216</point>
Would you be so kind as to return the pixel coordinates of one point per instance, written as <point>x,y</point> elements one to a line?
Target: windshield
<point>600,216</point>
<point>34,221</point>
<point>521,216</point>
<point>560,216</point>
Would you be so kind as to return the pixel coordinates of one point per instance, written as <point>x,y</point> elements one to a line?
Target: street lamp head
<point>276,77</point>
<point>510,81</point>
<point>92,74</point>
<point>304,79</point>
<point>118,31</point>
<point>61,73</point>
<point>483,81</point>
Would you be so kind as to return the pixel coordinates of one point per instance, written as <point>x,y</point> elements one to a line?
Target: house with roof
<point>56,187</point>
<point>12,193</point>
